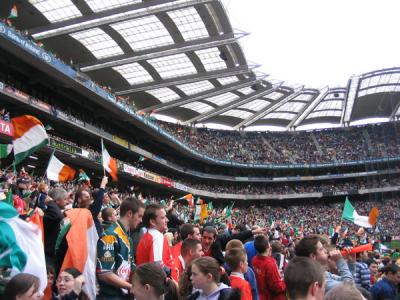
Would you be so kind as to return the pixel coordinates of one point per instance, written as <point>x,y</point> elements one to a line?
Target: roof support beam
<point>229,106</point>
<point>393,114</point>
<point>158,52</point>
<point>352,91</point>
<point>184,79</point>
<point>118,14</point>
<point>307,109</point>
<point>200,96</point>
<point>274,105</point>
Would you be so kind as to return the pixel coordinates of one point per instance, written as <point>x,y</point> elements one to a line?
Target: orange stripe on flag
<point>66,174</point>
<point>77,253</point>
<point>22,124</point>
<point>113,167</point>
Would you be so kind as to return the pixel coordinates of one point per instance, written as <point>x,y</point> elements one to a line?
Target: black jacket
<point>51,226</point>
<point>219,245</point>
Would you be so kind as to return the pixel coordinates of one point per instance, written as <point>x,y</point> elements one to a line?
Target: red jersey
<point>238,282</point>
<point>269,283</point>
<point>154,247</point>
<point>176,249</point>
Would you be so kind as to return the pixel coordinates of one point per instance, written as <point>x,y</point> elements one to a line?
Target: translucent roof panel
<point>303,97</point>
<point>379,89</point>
<point>134,73</point>
<point>274,96</point>
<point>144,33</point>
<point>210,59</point>
<point>56,11</point>
<point>326,113</point>
<point>292,106</point>
<point>173,66</point>
<point>334,96</point>
<point>199,107</point>
<point>100,5</point>
<point>98,42</point>
<point>222,99</point>
<point>277,115</point>
<point>256,105</point>
<point>237,113</point>
<point>391,78</point>
<point>164,94</point>
<point>189,23</point>
<point>246,91</point>
<point>331,104</point>
<point>227,80</point>
<point>196,87</point>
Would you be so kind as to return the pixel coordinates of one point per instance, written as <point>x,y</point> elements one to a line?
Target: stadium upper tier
<point>182,59</point>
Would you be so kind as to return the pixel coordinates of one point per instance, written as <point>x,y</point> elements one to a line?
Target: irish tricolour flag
<point>81,236</point>
<point>57,171</point>
<point>109,163</point>
<point>29,136</point>
<point>21,246</point>
<point>350,214</point>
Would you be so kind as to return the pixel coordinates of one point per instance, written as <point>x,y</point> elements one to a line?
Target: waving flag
<point>57,171</point>
<point>351,215</point>
<point>188,198</point>
<point>109,163</point>
<point>13,12</point>
<point>21,247</point>
<point>81,236</point>
<point>29,136</point>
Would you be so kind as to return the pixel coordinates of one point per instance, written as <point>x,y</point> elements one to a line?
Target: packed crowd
<point>330,145</point>
<point>4,115</point>
<point>160,250</point>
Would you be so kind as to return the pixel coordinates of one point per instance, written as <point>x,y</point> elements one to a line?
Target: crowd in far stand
<point>329,145</point>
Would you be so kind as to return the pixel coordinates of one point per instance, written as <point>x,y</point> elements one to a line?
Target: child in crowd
<point>69,285</point>
<point>206,275</point>
<point>236,258</point>
<point>109,217</point>
<point>43,189</point>
<point>269,282</point>
<point>150,283</point>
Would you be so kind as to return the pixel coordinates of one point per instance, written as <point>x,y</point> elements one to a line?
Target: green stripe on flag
<point>348,211</point>
<point>5,150</point>
<point>21,156</point>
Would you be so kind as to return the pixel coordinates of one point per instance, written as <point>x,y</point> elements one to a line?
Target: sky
<point>318,42</point>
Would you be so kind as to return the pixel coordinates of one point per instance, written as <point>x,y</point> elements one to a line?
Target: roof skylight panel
<point>246,91</point>
<point>303,97</point>
<point>273,96</point>
<point>164,94</point>
<point>237,113</point>
<point>189,23</point>
<point>100,5</point>
<point>144,33</point>
<point>98,42</point>
<point>222,99</point>
<point>227,80</point>
<point>134,73</point>
<point>173,66</point>
<point>56,11</point>
<point>211,60</point>
<point>325,113</point>
<point>332,104</point>
<point>199,107</point>
<point>256,105</point>
<point>292,106</point>
<point>379,89</point>
<point>280,115</point>
<point>196,87</point>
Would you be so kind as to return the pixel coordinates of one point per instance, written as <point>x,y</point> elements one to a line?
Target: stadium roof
<point>182,59</point>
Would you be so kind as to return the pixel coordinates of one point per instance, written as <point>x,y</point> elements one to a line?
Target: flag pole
<point>102,150</point>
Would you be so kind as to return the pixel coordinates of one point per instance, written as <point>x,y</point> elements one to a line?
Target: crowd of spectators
<point>323,146</point>
<point>4,115</point>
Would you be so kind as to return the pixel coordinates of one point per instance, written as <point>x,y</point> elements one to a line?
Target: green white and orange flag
<point>188,198</point>
<point>109,163</point>
<point>81,236</point>
<point>29,136</point>
<point>13,12</point>
<point>351,215</point>
<point>57,171</point>
<point>5,150</point>
<point>21,246</point>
